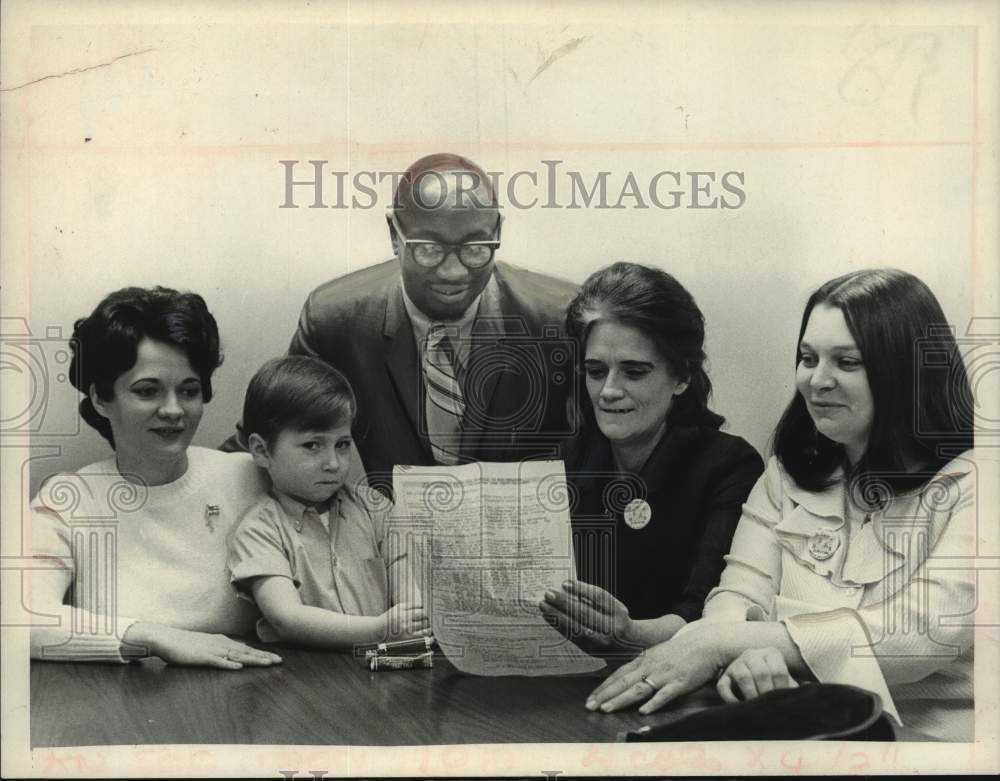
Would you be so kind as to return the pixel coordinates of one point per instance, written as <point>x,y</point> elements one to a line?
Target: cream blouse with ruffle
<point>889,609</point>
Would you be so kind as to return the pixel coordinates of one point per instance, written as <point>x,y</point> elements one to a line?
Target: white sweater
<point>121,553</point>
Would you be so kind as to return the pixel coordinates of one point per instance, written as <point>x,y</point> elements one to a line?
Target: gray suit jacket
<point>520,372</point>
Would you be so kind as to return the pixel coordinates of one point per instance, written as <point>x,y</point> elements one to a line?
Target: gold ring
<point>645,679</point>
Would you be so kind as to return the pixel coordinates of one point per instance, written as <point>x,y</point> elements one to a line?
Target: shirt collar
<point>827,503</point>
<point>422,323</point>
<point>296,511</point>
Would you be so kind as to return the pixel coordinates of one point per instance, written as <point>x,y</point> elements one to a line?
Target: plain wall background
<point>162,168</point>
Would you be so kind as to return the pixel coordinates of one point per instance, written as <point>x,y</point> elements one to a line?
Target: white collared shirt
<point>422,323</point>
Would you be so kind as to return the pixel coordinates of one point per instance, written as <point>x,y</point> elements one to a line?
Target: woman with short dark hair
<point>657,488</point>
<point>832,574</point>
<point>147,529</point>
<point>105,343</point>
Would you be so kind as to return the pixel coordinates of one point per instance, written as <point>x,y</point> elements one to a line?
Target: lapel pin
<point>823,544</point>
<point>638,514</point>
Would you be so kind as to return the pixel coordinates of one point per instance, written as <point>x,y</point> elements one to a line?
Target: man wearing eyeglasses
<point>453,355</point>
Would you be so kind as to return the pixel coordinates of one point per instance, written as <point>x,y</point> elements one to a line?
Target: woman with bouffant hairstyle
<point>144,359</point>
<point>104,344</point>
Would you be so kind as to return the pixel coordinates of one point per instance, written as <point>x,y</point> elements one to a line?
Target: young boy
<point>314,554</point>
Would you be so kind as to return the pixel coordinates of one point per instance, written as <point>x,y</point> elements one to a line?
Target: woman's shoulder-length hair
<point>923,413</point>
<point>657,305</point>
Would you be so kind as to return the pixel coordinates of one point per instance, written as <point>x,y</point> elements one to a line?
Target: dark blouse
<point>694,483</point>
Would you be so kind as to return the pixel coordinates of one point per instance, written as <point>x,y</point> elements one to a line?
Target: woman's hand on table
<point>664,672</point>
<point>755,671</point>
<point>196,649</point>
<point>590,617</point>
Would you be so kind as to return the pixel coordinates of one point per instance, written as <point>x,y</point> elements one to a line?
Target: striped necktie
<point>443,403</point>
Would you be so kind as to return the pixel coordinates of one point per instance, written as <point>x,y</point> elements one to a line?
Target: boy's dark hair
<point>296,393</point>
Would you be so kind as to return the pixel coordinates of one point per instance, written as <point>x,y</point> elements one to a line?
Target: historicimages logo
<point>551,185</point>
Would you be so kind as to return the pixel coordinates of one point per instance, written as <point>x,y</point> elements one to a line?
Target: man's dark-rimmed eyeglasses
<point>471,254</point>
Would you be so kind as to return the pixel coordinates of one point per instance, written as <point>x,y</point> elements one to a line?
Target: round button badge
<point>638,514</point>
<point>823,544</point>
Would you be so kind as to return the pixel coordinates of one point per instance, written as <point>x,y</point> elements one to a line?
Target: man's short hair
<point>473,187</point>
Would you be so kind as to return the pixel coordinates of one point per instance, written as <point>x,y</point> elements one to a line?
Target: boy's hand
<point>406,620</point>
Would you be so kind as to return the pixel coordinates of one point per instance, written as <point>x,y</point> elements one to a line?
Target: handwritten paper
<point>494,537</point>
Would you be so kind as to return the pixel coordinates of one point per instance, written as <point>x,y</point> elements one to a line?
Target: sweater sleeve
<point>737,474</point>
<point>86,629</point>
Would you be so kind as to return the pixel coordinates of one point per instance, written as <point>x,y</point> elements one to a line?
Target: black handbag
<point>812,711</point>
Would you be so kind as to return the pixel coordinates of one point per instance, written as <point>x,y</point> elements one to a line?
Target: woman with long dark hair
<point>832,570</point>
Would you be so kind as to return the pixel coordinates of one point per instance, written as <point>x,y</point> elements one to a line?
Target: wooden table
<point>317,698</point>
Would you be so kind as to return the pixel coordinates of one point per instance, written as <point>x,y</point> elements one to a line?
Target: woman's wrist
<point>730,639</point>
<point>139,640</point>
<point>638,632</point>
<point>649,632</point>
<point>630,633</point>
<point>717,642</point>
